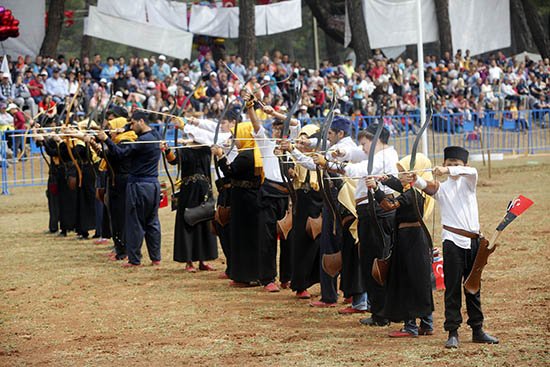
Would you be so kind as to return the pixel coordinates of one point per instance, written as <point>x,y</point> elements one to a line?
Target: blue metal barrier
<point>525,132</point>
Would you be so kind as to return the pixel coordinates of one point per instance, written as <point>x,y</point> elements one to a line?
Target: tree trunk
<point>247,36</point>
<point>55,25</point>
<point>444,26</point>
<point>359,37</point>
<point>86,41</point>
<point>331,24</point>
<point>540,37</point>
<point>333,49</point>
<point>521,35</point>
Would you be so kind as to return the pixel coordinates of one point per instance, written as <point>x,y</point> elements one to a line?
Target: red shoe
<point>285,285</point>
<point>321,304</point>
<point>401,334</point>
<point>101,241</point>
<point>130,265</point>
<point>155,263</point>
<point>350,310</point>
<point>190,269</point>
<point>303,295</point>
<point>347,301</point>
<point>223,276</point>
<point>206,267</point>
<point>272,287</point>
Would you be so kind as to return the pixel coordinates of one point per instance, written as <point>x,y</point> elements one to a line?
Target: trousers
<point>142,220</point>
<point>457,264</point>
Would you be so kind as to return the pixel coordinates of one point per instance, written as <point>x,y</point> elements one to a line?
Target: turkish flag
<point>515,208</point>
<point>519,205</point>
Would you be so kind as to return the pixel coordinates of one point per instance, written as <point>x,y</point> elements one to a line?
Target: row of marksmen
<point>335,209</point>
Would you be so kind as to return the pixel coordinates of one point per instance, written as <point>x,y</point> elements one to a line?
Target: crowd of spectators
<point>383,87</point>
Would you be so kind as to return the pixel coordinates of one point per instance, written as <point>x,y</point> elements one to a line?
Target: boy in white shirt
<point>461,235</point>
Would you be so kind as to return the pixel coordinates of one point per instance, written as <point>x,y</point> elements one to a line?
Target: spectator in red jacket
<point>19,123</point>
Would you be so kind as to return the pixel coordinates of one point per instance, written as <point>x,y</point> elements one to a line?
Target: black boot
<point>452,342</point>
<point>375,320</point>
<point>480,336</point>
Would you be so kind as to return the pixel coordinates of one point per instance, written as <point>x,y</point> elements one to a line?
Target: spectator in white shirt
<point>56,87</point>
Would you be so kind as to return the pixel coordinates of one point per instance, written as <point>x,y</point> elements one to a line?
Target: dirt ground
<point>64,304</point>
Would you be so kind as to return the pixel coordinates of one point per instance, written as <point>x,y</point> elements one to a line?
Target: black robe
<point>408,287</point>
<point>85,192</point>
<point>305,250</point>
<point>245,249</point>
<point>67,197</point>
<point>193,243</point>
<point>115,200</point>
<point>224,232</point>
<point>52,191</point>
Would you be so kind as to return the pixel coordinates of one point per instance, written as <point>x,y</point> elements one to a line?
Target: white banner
<point>170,42</point>
<point>393,22</point>
<point>480,26</point>
<point>32,28</point>
<point>260,19</point>
<point>224,22</point>
<point>284,16</point>
<point>133,10</point>
<point>167,14</point>
<point>214,22</point>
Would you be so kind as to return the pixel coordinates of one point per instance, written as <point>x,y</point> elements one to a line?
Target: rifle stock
<point>486,248</point>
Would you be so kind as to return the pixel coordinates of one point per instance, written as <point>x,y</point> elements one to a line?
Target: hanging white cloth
<point>170,42</point>
<point>393,22</point>
<point>480,25</point>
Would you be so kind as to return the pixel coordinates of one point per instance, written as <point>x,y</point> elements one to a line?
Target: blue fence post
<point>4,155</point>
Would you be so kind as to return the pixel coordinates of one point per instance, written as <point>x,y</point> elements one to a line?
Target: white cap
<point>341,80</point>
<point>11,106</point>
<point>103,80</point>
<point>230,89</point>
<point>337,111</point>
<point>164,109</point>
<point>186,79</point>
<point>162,57</point>
<point>283,108</point>
<point>174,69</point>
<point>119,94</point>
<point>213,73</point>
<point>303,108</point>
<point>151,85</point>
<point>267,78</point>
<point>44,72</point>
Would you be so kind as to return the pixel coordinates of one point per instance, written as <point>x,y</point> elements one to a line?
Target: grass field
<point>64,304</point>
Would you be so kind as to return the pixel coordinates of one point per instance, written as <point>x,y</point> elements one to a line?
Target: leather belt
<point>409,225</point>
<point>193,178</point>
<point>223,184</point>
<point>245,184</point>
<point>363,198</point>
<point>461,232</point>
<point>277,186</point>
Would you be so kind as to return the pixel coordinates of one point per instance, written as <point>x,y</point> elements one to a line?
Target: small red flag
<point>519,205</point>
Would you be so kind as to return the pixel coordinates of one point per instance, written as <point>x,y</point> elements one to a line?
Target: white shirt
<point>494,73</point>
<point>272,170</point>
<point>384,162</point>
<point>205,132</point>
<point>458,204</point>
